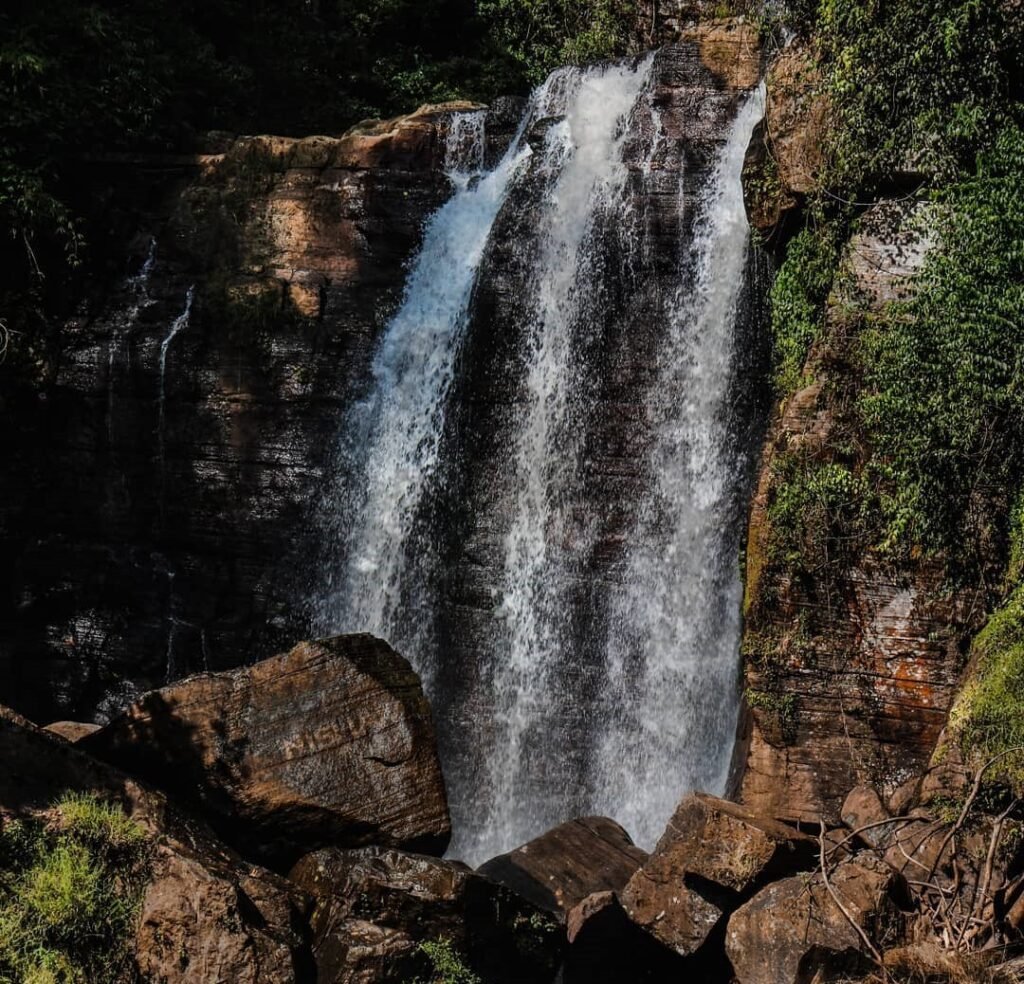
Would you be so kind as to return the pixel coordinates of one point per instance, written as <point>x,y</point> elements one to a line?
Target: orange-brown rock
<point>72,730</point>
<point>918,849</point>
<point>713,854</point>
<point>560,868</point>
<point>729,48</point>
<point>375,906</point>
<point>205,914</point>
<point>854,665</point>
<point>331,743</point>
<point>786,156</point>
<point>793,931</point>
<point>864,813</point>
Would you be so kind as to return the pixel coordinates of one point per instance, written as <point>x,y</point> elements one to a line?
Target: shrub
<point>540,35</point>
<point>817,516</point>
<point>944,403</point>
<point>797,300</point>
<point>916,86</point>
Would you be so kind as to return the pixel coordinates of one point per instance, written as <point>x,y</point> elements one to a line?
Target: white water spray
<point>585,150</point>
<point>138,287</point>
<point>673,648</point>
<point>178,325</point>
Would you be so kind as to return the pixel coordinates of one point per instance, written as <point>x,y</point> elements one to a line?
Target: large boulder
<point>607,947</point>
<point>331,743</point>
<point>793,931</point>
<point>865,814</point>
<point>376,907</point>
<point>205,914</point>
<point>712,855</point>
<point>561,867</point>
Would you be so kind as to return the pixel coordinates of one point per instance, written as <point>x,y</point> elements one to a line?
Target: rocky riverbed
<point>298,821</point>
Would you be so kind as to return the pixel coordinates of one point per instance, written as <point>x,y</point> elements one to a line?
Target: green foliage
<point>918,86</point>
<point>99,825</point>
<point>797,300</point>
<point>818,515</point>
<point>944,405</point>
<point>69,893</point>
<point>778,711</point>
<point>448,964</point>
<point>988,716</point>
<point>539,35</point>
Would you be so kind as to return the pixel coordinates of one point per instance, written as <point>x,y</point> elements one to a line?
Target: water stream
<point>137,286</point>
<point>177,326</point>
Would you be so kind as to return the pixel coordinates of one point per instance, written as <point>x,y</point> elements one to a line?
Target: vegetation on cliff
<point>944,400</point>
<point>988,716</point>
<point>69,893</point>
<point>909,453</point>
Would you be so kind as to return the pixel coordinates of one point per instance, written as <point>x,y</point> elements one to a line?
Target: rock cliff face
<point>163,511</point>
<point>850,669</point>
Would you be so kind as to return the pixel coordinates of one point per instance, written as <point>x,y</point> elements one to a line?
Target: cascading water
<point>137,286</point>
<point>179,323</point>
<point>585,147</point>
<point>602,612</point>
<point>398,426</point>
<point>675,619</point>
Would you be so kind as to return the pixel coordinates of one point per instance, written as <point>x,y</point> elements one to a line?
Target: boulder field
<point>297,818</point>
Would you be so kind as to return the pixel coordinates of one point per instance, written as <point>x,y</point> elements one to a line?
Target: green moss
<point>778,714</point>
<point>447,962</point>
<point>69,893</point>
<point>797,301</point>
<point>1015,567</point>
<point>988,716</point>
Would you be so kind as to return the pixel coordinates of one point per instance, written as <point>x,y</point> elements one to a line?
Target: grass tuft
<point>69,893</point>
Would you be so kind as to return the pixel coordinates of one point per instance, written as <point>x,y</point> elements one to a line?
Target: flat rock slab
<point>560,868</point>
<point>73,731</point>
<point>711,857</point>
<point>331,743</point>
<point>375,906</point>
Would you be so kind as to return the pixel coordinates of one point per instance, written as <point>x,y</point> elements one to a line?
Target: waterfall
<point>179,324</point>
<point>137,286</point>
<point>675,620</point>
<point>401,421</point>
<point>573,610</point>
<point>587,144</point>
<point>399,424</point>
